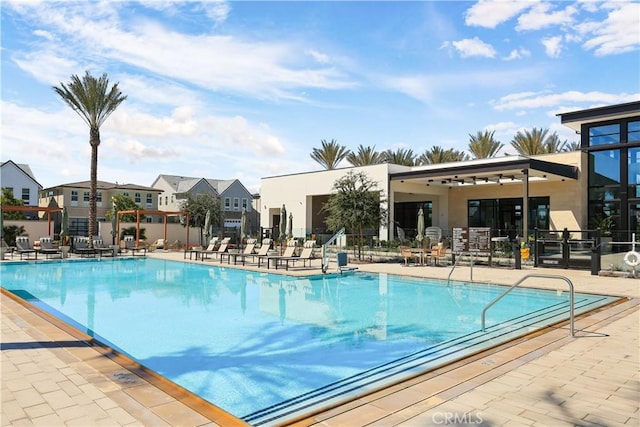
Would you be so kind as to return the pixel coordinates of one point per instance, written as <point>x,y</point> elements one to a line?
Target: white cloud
<point>539,16</point>
<point>530,100</point>
<point>517,54</point>
<point>318,56</point>
<point>553,46</point>
<point>261,69</point>
<point>619,33</point>
<point>491,13</point>
<point>472,47</point>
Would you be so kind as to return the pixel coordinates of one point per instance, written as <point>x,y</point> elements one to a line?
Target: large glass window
<point>405,215</point>
<point>633,172</point>
<point>604,175</point>
<point>504,216</point>
<point>74,195</point>
<point>604,135</point>
<point>25,196</point>
<point>633,131</point>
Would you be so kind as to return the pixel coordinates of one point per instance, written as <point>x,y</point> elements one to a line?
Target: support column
<point>525,205</point>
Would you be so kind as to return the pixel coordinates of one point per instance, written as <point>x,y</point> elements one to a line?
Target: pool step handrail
<point>540,276</point>
<point>455,264</point>
<point>325,258</point>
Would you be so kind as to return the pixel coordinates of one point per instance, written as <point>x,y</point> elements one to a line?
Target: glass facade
<point>504,216</point>
<point>614,176</point>
<point>406,216</point>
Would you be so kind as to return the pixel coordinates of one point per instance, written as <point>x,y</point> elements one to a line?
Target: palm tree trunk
<point>93,190</point>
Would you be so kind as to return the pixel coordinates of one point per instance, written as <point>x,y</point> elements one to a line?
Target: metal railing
<point>455,264</point>
<point>540,276</point>
<point>325,258</point>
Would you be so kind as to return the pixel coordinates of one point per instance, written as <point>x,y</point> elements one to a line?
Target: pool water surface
<point>265,346</point>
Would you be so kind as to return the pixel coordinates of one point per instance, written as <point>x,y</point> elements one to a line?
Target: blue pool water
<point>263,346</point>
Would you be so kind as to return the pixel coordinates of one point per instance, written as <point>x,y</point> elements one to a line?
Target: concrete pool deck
<point>52,378</point>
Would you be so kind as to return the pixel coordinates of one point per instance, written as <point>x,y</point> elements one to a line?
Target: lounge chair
<point>130,246</point>
<point>81,247</point>
<point>23,247</point>
<point>4,248</point>
<point>47,249</point>
<point>248,251</point>
<point>101,248</point>
<point>289,252</point>
<point>158,244</point>
<point>224,245</point>
<point>305,255</point>
<point>263,251</point>
<point>213,244</point>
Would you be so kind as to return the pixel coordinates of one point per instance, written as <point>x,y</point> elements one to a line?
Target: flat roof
<point>575,119</point>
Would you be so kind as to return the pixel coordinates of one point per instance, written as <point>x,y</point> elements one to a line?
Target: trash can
<point>342,259</point>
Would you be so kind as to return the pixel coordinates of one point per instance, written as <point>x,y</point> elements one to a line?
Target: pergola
<point>164,214</point>
<point>47,210</point>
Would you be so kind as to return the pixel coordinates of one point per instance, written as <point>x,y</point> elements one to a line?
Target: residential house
<point>233,196</point>
<point>75,196</point>
<point>19,179</point>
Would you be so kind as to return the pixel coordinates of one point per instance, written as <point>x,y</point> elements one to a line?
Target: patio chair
<point>288,252</point>
<point>102,249</point>
<point>130,246</point>
<point>438,251</point>
<point>305,255</point>
<point>81,247</point>
<point>248,251</point>
<point>47,249</point>
<point>407,255</point>
<point>158,244</point>
<point>23,247</point>
<point>224,244</point>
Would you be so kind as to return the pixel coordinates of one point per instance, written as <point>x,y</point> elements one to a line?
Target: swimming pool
<point>265,346</point>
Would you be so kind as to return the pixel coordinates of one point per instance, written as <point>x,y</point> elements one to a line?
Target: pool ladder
<point>455,264</point>
<point>540,276</point>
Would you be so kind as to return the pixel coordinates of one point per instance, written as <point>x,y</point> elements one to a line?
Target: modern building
<point>75,197</point>
<point>512,195</point>
<point>20,180</point>
<point>233,195</point>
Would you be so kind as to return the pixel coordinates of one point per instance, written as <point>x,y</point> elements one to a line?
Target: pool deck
<point>51,377</point>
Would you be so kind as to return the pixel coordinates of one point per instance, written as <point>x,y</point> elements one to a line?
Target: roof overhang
<point>488,171</point>
<point>575,119</point>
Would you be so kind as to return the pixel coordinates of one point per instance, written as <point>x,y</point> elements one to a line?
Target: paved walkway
<point>50,377</point>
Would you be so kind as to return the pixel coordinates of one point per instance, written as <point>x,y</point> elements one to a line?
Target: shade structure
<point>290,227</point>
<point>244,226</point>
<point>283,223</point>
<point>420,227</point>
<point>206,231</point>
<point>64,227</point>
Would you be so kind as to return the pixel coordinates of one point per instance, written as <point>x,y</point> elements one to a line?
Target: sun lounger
<point>81,247</point>
<point>305,255</point>
<point>248,251</point>
<point>224,244</point>
<point>101,248</point>
<point>23,247</point>
<point>289,252</point>
<point>131,246</point>
<point>197,251</point>
<point>47,249</point>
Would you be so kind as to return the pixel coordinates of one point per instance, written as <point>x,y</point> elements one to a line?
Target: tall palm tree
<point>94,101</point>
<point>365,156</point>
<point>437,154</point>
<point>483,145</point>
<point>330,155</point>
<point>401,156</point>
<point>537,142</point>
<point>571,146</point>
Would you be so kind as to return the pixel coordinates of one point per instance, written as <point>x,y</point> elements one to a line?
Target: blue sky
<point>247,89</point>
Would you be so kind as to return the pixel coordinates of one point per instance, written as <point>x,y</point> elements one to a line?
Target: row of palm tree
<point>482,145</point>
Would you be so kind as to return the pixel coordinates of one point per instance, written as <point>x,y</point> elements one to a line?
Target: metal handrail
<point>455,264</point>
<point>543,276</point>
<point>325,262</point>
